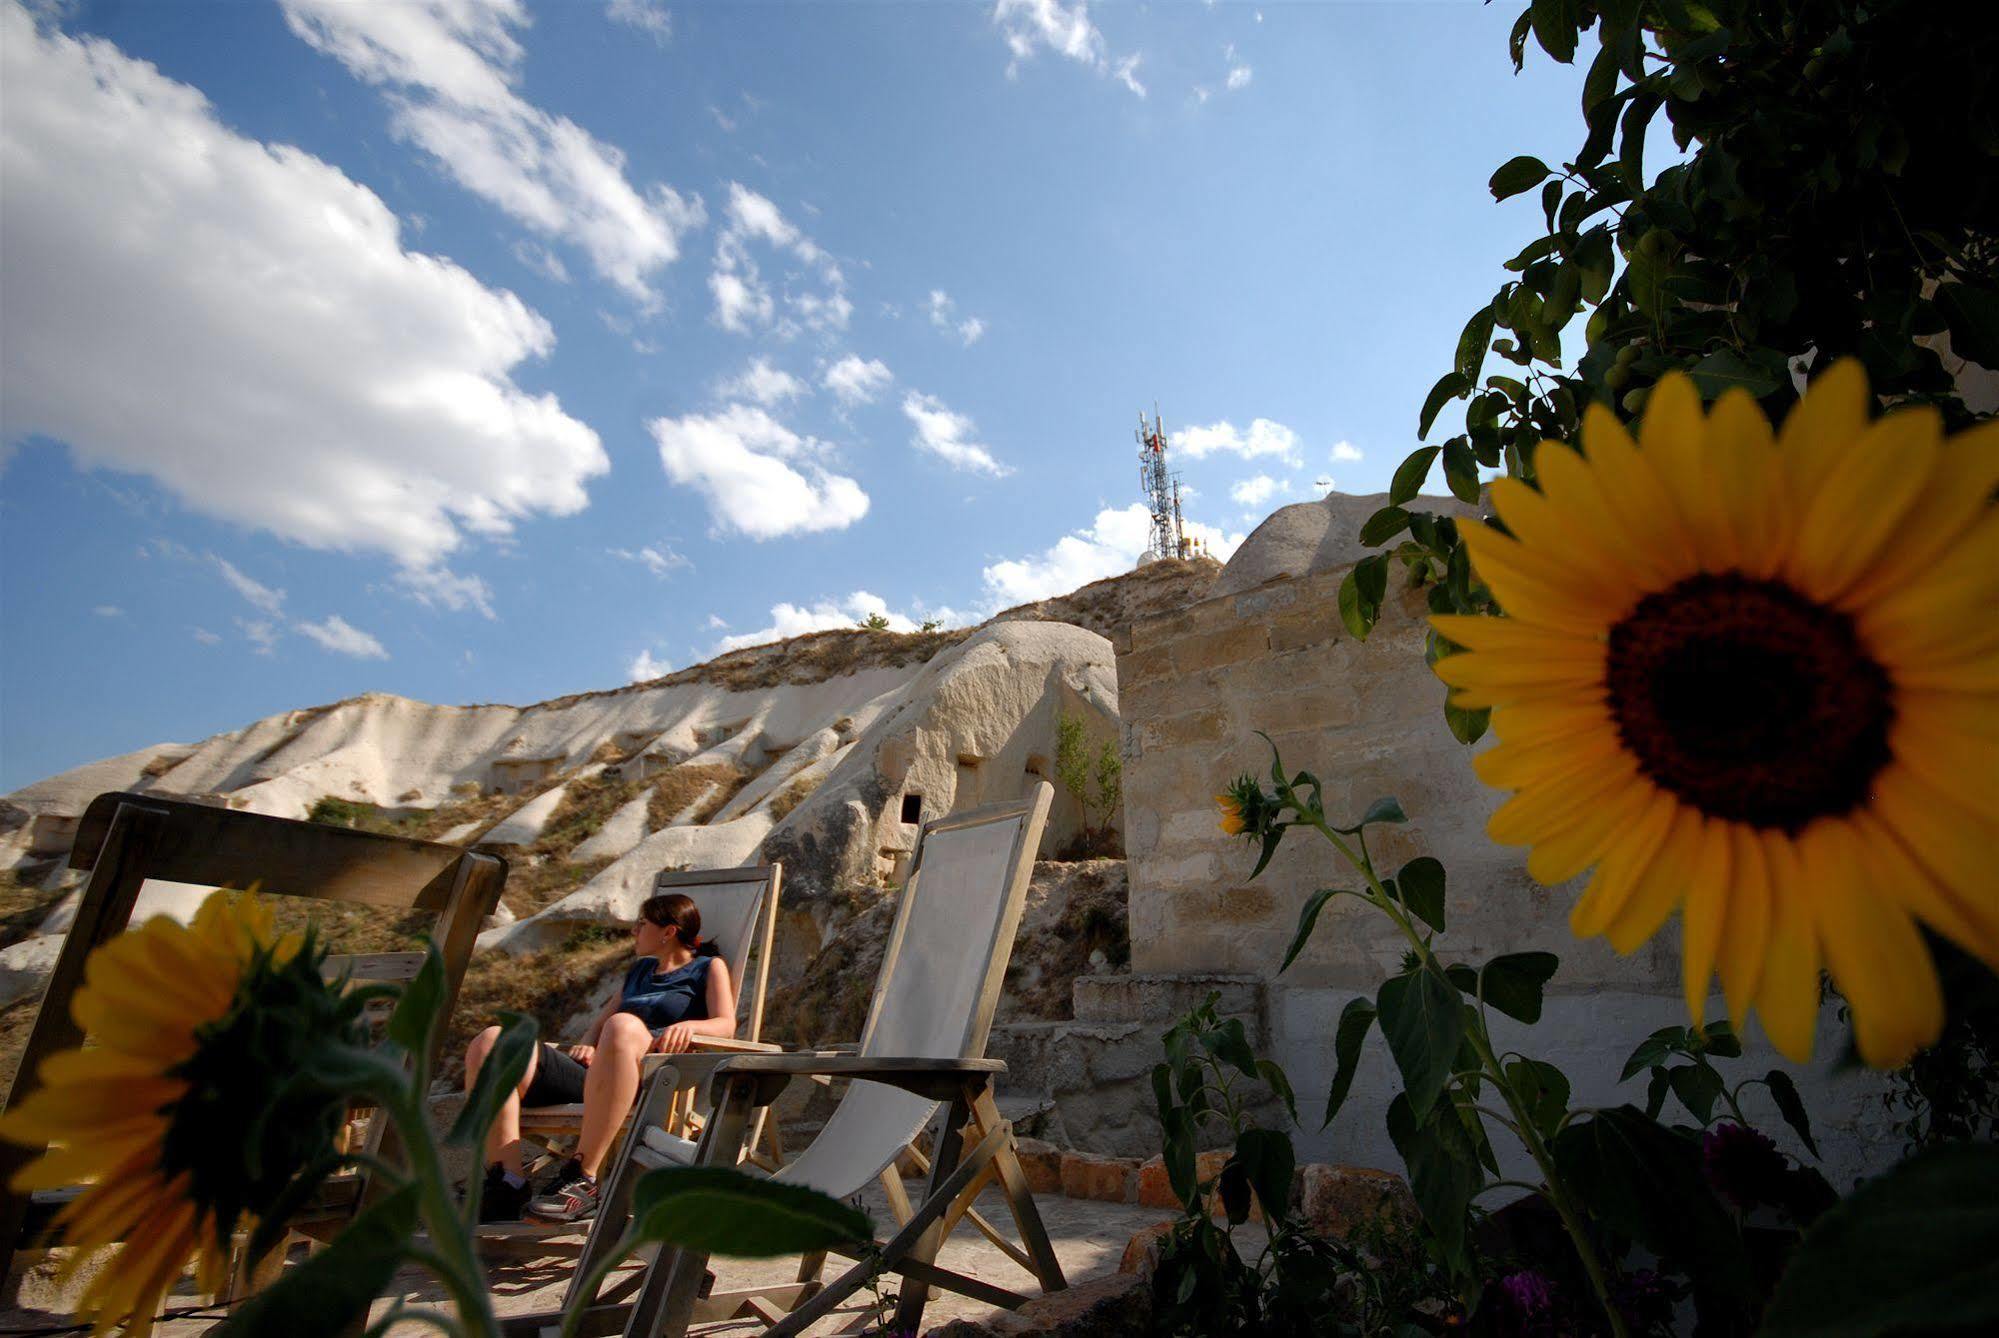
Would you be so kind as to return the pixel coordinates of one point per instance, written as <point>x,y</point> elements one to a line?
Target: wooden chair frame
<point>125,839</point>
<point>973,1146</point>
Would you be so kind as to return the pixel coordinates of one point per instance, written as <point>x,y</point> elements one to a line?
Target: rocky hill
<point>824,751</point>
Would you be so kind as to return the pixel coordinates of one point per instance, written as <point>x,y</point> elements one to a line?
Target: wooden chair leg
<point>949,1147</point>
<point>1020,1201</point>
<point>665,1304</point>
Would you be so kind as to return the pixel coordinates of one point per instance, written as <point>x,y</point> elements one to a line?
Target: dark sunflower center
<point>254,1115</point>
<point>1749,701</point>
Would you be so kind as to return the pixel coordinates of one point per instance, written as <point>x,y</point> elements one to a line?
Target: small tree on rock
<point>1096,779</point>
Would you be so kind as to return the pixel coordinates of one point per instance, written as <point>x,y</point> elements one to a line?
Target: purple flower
<point>1645,1299</point>
<point>1523,1305</point>
<point>1743,1165</point>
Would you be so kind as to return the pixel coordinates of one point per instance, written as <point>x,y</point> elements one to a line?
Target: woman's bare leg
<point>612,1083</point>
<point>503,1140</point>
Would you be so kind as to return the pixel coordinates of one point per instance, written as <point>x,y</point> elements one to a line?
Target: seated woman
<point>678,989</point>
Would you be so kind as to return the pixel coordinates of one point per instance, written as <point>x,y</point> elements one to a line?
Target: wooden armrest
<point>936,1079</point>
<point>731,1043</point>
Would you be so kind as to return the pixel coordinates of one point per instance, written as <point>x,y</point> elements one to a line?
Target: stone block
<point>1220,649</point>
<point>1337,1201</point>
<point>1141,1252</point>
<point>1247,905</point>
<point>1041,1163</point>
<point>1203,726</point>
<point>1142,666</point>
<point>1302,630</point>
<point>1155,1188</point>
<point>1104,1179</point>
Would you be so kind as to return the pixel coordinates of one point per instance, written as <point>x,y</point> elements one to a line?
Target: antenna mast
<point>1162,491</point>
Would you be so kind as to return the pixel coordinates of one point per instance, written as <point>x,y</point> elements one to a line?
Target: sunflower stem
<point>451,1256</point>
<point>1555,1191</point>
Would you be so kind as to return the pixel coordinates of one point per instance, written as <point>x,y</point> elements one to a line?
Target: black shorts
<point>558,1079</point>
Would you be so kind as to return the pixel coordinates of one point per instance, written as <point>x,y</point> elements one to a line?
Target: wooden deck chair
<point>739,912</point>
<point>126,839</point>
<point>933,1007</point>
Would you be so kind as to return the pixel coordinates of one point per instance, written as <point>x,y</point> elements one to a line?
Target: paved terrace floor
<point>1089,1239</point>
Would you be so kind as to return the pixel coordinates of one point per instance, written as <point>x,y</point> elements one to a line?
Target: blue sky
<point>483,351</point>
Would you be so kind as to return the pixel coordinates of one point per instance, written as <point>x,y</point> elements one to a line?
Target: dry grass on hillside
<point>684,785</point>
<point>797,792</point>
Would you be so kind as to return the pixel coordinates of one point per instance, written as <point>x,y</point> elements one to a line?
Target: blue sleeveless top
<point>661,998</point>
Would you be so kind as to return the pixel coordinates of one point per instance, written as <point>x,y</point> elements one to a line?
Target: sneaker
<point>570,1197</point>
<point>500,1201</point>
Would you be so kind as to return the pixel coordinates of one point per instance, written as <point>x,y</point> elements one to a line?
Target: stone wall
<point>1268,652</point>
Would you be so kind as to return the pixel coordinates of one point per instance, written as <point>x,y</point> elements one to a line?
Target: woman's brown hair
<point>677,911</point>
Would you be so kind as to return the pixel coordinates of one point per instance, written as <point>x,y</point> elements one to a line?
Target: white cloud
<point>814,297</point>
<point>241,323</point>
<point>1257,490</point>
<point>1263,438</point>
<point>204,636</point>
<point>448,68</point>
<point>949,435</point>
<point>336,634</point>
<point>1346,451</point>
<point>659,559</point>
<point>760,478</point>
<point>108,611</point>
<point>765,383</point>
<point>1112,545</point>
<point>716,622</point>
<point>943,315</point>
<point>1239,77</point>
<point>265,598</point>
<point>541,260</point>
<point>644,668</point>
<point>790,620</point>
<point>260,633</point>
<point>855,382</point>
<point>648,16</point>
<point>1029,26</point>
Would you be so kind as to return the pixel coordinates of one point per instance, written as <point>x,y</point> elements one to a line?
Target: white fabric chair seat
<point>680,1151</point>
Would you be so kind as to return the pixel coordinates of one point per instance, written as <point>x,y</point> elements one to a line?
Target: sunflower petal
<point>1821,426</point>
<point>1625,859</point>
<point>1563,854</point>
<point>1551,805</point>
<point>1536,588</point>
<point>1957,848</point>
<point>1871,486</point>
<point>1787,998</point>
<point>1958,493</point>
<point>1661,887</point>
<point>1543,525</point>
<point>1638,505</point>
<point>1675,439</point>
<point>1705,915</point>
<point>1747,484</point>
<point>1746,932</point>
<point>1877,958</point>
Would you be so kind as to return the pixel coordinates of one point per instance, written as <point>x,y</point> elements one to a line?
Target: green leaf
<point>1645,1181</point>
<point>1972,313</point>
<point>1467,726</point>
<point>1371,575</point>
<point>1266,1155</point>
<point>410,1026</point>
<point>1384,525</point>
<point>1449,387</point>
<point>1717,1038</point>
<point>1308,918</point>
<point>1385,809</point>
<point>328,1293</point>
<point>1233,1187</point>
<point>1279,1082</point>
<point>1516,41</point>
<point>1178,1152</point>
<point>1471,347</point>
<point>1555,28</point>
<point>1355,616</point>
<point>1420,886</point>
<point>1410,474</point>
<point>720,1210</point>
<point>1655,1092</point>
<point>1444,1173</point>
<point>1230,1044</point>
<point>1791,1106</point>
<point>1661,1043</point>
<point>1543,1089</point>
<point>1515,175</point>
<point>1726,369</point>
<point>1423,1023</point>
<point>1512,983</point>
<point>1460,470</point>
<point>1355,1020</point>
<point>1698,1088</point>
<point>505,1064</point>
<point>1914,1251</point>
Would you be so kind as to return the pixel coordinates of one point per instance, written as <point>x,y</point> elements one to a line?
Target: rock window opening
<point>912,807</point>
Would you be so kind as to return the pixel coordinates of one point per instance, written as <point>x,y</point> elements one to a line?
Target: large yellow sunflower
<point>1755,677</point>
<point>182,1112</point>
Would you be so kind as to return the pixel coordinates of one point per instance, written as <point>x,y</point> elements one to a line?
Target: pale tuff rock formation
<point>974,726</point>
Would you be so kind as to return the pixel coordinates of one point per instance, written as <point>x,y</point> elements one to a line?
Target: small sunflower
<point>1755,676</point>
<point>186,1110</point>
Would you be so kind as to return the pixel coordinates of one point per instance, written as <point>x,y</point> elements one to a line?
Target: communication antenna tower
<point>1162,490</point>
